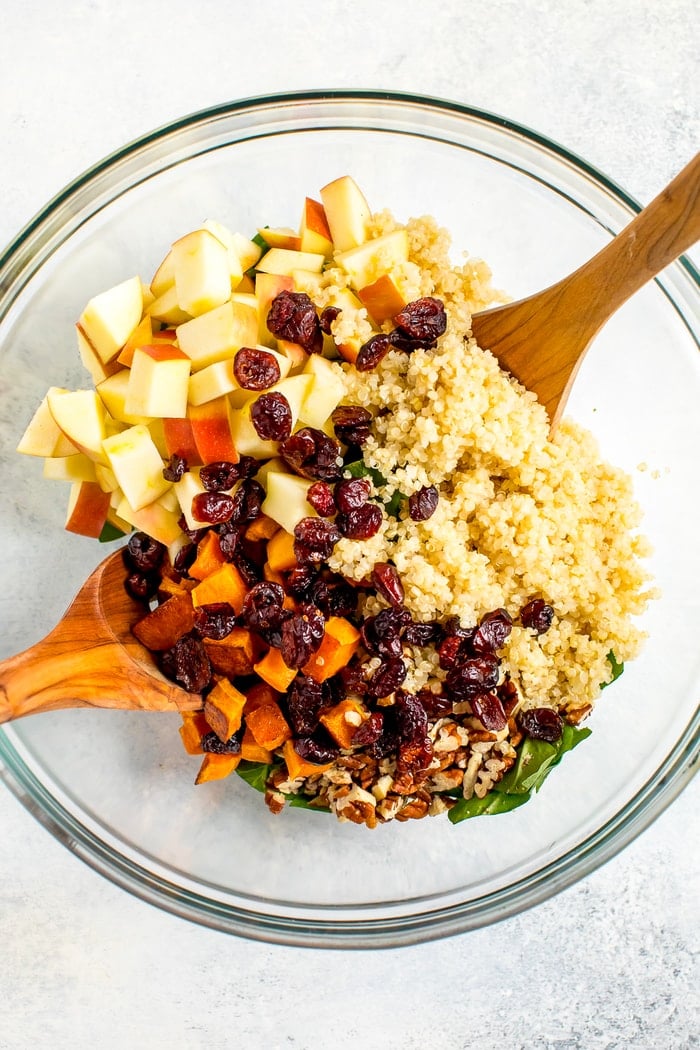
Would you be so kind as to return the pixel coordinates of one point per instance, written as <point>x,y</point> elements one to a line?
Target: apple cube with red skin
<point>113,392</point>
<point>284,261</point>
<point>347,213</point>
<point>87,509</point>
<point>179,440</point>
<point>155,519</point>
<point>280,237</point>
<point>315,234</point>
<point>211,429</point>
<point>158,382</point>
<point>110,317</point>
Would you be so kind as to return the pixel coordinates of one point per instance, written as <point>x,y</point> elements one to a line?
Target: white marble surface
<point>609,963</point>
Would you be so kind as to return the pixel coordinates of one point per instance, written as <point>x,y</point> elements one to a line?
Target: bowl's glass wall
<point>118,786</point>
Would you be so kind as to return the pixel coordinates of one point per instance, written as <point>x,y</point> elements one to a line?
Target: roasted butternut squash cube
<point>166,624</point>
<point>209,557</point>
<point>223,585</point>
<point>216,767</point>
<point>194,727</point>
<point>340,642</point>
<point>298,766</point>
<point>223,708</point>
<point>273,670</point>
<point>262,528</point>
<point>343,720</point>
<point>268,725</point>
<point>280,552</point>
<point>234,655</point>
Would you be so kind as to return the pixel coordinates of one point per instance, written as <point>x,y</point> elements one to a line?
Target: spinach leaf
<point>535,760</point>
<point>358,469</point>
<point>260,240</point>
<point>255,773</point>
<point>617,669</point>
<point>110,532</point>
<point>303,802</point>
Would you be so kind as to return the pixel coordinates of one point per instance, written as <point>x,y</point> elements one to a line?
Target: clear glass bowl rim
<point>376,926</point>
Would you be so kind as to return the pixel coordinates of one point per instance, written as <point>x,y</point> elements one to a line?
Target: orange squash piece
<point>234,655</point>
<point>224,585</point>
<point>268,726</point>
<point>382,300</point>
<point>209,557</point>
<point>259,694</point>
<point>167,623</point>
<point>272,575</point>
<point>194,727</point>
<point>223,708</point>
<point>340,641</point>
<point>216,767</point>
<point>273,670</point>
<point>253,752</point>
<point>280,552</point>
<point>340,727</point>
<point>298,766</point>
<point>262,528</point>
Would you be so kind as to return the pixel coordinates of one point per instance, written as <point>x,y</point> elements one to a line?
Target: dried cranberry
<point>388,677</point>
<point>194,534</point>
<point>184,558</point>
<point>247,567</point>
<point>212,507</point>
<point>334,597</point>
<point>215,620</point>
<point>211,744</point>
<point>373,351</point>
<point>424,320</point>
<point>352,493</point>
<point>370,730</point>
<point>360,524</point>
<point>415,746</point>
<point>435,705</point>
<point>388,583</point>
<point>256,369</point>
<point>218,477</point>
<point>187,664</point>
<point>302,635</point>
<point>492,632</point>
<point>381,634</point>
<point>313,454</point>
<point>352,424</point>
<point>421,634</point>
<point>351,678</point>
<point>262,606</point>
<point>320,496</point>
<point>248,498</point>
<point>176,468</point>
<point>230,538</point>
<point>328,316</point>
<point>304,703</point>
<point>314,540</point>
<point>314,750</point>
<point>542,723</point>
<point>537,616</point>
<point>449,651</point>
<point>271,417</point>
<point>475,675</point>
<point>300,581</point>
<point>489,710</point>
<point>142,586</point>
<point>423,503</point>
<point>452,628</point>
<point>143,553</point>
<point>293,317</point>
<point>508,695</point>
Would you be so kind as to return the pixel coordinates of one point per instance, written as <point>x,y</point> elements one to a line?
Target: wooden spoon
<point>542,339</point>
<point>91,658</point>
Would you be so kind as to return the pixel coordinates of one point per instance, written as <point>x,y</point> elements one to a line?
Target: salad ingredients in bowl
<point>352,533</point>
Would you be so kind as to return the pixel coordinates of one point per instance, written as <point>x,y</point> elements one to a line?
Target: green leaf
<point>110,532</point>
<point>304,802</point>
<point>535,759</point>
<point>358,469</point>
<point>260,240</point>
<point>491,803</point>
<point>617,669</point>
<point>256,774</point>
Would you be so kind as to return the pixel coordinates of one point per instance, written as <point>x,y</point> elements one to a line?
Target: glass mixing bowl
<point>116,787</point>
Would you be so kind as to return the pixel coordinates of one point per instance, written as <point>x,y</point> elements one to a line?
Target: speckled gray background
<point>611,962</point>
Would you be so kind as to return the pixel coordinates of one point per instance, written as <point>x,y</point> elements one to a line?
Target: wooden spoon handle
<point>666,228</point>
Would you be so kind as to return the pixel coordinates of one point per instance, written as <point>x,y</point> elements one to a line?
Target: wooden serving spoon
<point>91,658</point>
<point>542,339</point>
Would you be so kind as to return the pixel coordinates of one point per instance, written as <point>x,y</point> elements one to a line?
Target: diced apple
<point>212,431</point>
<point>280,237</point>
<point>137,465</point>
<point>157,431</point>
<point>366,263</point>
<point>118,523</point>
<point>248,251</point>
<point>114,391</point>
<point>382,299</point>
<point>70,468</point>
<point>200,263</point>
<point>216,335</point>
<point>186,489</point>
<point>92,361</point>
<point>155,519</point>
<point>43,432</point>
<point>164,335</point>
<point>315,234</point>
<point>347,213</point>
<point>106,478</point>
<point>158,382</point>
<point>324,394</point>
<point>296,355</point>
<point>164,277</point>
<point>276,463</point>
<point>307,281</point>
<point>87,509</point>
<point>283,261</point>
<point>179,440</point>
<point>110,317</point>
<point>285,501</point>
<point>64,447</point>
<point>223,234</point>
<point>80,414</point>
<point>142,335</point>
<point>245,436</point>
<point>212,382</point>
<point>166,308</point>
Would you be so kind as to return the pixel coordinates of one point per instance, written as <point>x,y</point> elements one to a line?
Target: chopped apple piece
<point>158,382</point>
<point>87,509</point>
<point>70,468</point>
<point>315,234</point>
<point>186,489</point>
<point>179,440</point>
<point>248,251</point>
<point>142,335</point>
<point>365,264</point>
<point>137,465</point>
<point>245,436</point>
<point>347,213</point>
<point>155,519</point>
<point>114,391</point>
<point>286,501</point>
<point>235,268</point>
<point>110,317</point>
<point>106,478</point>
<point>283,261</point>
<point>164,277</point>
<point>382,299</point>
<point>157,431</point>
<point>212,431</point>
<point>212,382</point>
<point>166,308</point>
<point>201,266</point>
<point>43,432</point>
<point>216,335</point>
<point>92,361</point>
<point>325,392</point>
<point>80,414</point>
<point>280,237</point>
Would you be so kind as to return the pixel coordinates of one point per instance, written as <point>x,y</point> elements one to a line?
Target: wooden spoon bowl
<point>91,658</point>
